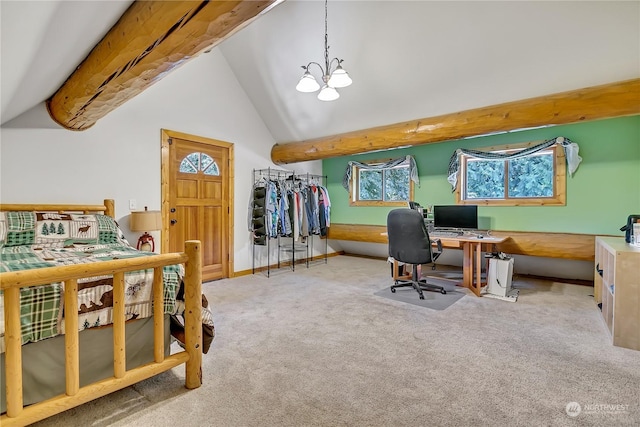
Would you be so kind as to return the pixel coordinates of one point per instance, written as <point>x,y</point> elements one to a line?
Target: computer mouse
<point>480,237</point>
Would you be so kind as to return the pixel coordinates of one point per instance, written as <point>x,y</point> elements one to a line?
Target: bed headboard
<point>108,208</point>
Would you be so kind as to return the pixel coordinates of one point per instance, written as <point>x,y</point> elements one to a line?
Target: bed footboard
<point>11,282</point>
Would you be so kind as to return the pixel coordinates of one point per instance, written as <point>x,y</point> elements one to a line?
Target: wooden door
<point>197,205</point>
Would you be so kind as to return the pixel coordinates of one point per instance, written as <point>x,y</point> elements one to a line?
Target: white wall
<point>119,157</point>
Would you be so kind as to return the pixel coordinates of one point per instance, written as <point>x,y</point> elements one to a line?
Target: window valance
<point>570,150</point>
<point>413,169</point>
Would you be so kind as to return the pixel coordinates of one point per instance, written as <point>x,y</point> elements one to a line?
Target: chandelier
<point>333,75</point>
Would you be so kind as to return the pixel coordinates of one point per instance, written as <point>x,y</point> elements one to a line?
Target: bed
<point>53,257</point>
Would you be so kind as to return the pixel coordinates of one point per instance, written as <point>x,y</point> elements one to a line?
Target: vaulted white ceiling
<point>408,59</point>
<point>42,43</point>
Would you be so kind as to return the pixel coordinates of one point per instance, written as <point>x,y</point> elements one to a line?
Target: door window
<point>195,162</point>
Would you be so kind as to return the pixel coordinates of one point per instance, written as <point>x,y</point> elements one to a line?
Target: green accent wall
<point>604,190</point>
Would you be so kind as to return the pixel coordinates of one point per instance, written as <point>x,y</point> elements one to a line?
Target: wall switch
<point>132,205</point>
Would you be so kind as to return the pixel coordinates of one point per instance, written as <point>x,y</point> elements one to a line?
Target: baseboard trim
<point>283,264</point>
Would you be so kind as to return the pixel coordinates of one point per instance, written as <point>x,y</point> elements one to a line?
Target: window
<point>195,162</point>
<point>536,179</point>
<point>390,186</point>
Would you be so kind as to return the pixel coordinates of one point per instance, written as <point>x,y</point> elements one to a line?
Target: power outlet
<point>133,205</point>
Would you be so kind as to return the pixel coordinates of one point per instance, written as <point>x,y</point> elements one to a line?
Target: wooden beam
<point>593,103</point>
<point>151,39</point>
<point>359,233</point>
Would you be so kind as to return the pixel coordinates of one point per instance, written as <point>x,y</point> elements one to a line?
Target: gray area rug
<point>432,300</point>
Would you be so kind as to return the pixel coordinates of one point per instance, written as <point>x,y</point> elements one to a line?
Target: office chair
<point>409,243</point>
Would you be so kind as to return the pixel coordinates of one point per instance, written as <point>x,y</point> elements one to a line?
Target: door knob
<point>173,221</point>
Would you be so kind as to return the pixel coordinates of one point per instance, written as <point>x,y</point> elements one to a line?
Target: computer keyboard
<point>445,234</point>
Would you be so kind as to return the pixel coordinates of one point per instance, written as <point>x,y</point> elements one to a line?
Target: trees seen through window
<point>536,179</point>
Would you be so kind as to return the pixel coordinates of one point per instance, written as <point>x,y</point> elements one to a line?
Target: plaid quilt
<point>41,239</point>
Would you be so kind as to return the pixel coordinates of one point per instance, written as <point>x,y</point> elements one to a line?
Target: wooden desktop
<point>472,256</point>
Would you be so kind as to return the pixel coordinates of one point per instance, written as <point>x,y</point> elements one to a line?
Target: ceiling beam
<point>593,103</point>
<point>151,39</point>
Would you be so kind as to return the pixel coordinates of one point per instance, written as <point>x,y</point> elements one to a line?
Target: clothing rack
<point>272,218</point>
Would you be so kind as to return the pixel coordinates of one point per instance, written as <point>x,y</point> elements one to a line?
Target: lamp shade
<point>145,221</point>
<point>340,78</point>
<point>307,83</point>
<point>328,94</point>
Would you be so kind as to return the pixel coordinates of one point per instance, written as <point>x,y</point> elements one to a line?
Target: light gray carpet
<point>316,347</point>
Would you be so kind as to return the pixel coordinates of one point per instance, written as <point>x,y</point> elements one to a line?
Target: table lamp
<point>146,221</point>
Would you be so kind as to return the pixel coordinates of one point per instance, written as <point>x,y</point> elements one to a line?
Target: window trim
<point>354,188</point>
<point>560,177</point>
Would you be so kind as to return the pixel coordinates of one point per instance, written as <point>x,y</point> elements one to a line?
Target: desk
<point>472,257</point>
<point>472,251</point>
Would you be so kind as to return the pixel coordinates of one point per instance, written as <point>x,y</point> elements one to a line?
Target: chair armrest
<point>436,254</point>
<point>438,243</point>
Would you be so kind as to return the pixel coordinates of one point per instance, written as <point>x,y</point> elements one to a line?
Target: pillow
<point>17,228</point>
<point>53,229</point>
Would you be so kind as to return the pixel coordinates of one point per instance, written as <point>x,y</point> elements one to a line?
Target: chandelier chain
<point>326,38</point>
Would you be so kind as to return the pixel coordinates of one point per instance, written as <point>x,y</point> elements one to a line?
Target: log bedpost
<point>13,352</point>
<point>193,313</point>
<point>110,208</point>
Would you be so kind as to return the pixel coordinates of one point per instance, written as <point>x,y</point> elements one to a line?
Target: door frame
<point>228,222</point>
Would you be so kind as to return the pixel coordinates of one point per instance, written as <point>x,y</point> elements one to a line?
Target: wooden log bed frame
<point>12,282</point>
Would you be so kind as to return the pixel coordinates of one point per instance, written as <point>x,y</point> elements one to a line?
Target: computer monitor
<point>456,216</point>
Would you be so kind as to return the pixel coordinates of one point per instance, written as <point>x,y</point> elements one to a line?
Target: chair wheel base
<point>419,285</point>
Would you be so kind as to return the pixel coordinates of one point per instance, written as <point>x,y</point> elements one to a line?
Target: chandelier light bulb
<point>307,83</point>
<point>340,78</point>
<point>328,94</point>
